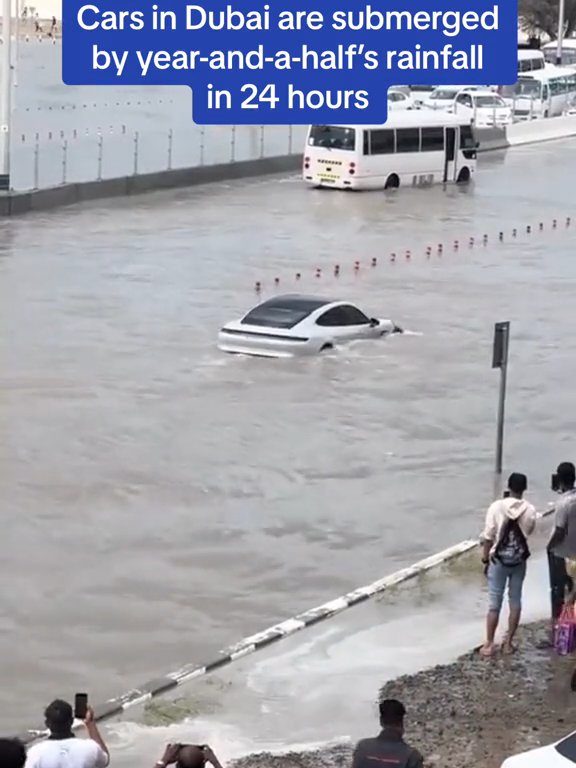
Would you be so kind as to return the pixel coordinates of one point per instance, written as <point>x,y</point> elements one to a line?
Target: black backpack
<point>512,548</point>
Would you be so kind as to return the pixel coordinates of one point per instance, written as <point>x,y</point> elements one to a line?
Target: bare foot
<point>487,650</point>
<point>509,648</point>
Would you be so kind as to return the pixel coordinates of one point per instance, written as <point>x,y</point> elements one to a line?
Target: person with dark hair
<point>62,749</point>
<point>562,545</point>
<point>188,756</point>
<point>509,523</point>
<point>389,747</point>
<point>12,753</point>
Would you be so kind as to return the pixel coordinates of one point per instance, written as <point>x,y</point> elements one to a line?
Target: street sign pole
<point>5,94</point>
<point>500,360</point>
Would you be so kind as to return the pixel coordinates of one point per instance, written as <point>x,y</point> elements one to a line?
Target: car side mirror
<point>374,322</point>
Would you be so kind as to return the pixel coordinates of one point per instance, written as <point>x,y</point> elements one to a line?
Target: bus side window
<point>545,94</point>
<point>382,142</point>
<point>408,139</point>
<point>366,143</point>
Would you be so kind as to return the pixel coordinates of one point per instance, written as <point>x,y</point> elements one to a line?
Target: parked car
<point>400,99</point>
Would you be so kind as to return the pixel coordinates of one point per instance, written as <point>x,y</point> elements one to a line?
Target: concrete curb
<point>153,688</point>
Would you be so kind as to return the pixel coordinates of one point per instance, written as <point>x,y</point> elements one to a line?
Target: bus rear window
<point>332,137</point>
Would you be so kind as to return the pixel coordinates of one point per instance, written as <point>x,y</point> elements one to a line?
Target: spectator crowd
<point>509,525</point>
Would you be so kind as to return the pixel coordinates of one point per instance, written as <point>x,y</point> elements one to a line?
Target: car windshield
<point>281,313</point>
<point>567,748</point>
<point>332,137</point>
<point>489,101</point>
<point>443,95</point>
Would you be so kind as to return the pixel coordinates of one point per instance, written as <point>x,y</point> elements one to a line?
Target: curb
<point>253,643</point>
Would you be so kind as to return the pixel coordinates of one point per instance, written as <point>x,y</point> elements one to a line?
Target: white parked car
<point>444,97</point>
<point>285,326</point>
<point>486,108</point>
<point>399,99</point>
<point>559,755</point>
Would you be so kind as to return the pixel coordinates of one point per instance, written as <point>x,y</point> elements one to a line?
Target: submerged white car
<point>559,755</point>
<point>285,326</point>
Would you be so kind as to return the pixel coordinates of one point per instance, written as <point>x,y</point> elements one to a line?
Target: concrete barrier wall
<point>533,131</point>
<point>17,203</point>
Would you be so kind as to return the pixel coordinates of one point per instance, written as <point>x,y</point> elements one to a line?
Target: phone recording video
<point>81,706</point>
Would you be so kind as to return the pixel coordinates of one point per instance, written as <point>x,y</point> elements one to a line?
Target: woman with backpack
<point>509,523</point>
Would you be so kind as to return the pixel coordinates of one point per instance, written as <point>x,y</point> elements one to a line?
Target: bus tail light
<point>352,169</point>
<point>306,163</point>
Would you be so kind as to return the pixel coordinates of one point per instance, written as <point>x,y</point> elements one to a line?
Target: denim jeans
<point>498,576</point>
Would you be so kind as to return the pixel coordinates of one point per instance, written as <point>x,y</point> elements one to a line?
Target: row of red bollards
<point>408,254</point>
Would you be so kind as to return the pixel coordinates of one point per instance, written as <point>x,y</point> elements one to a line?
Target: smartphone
<point>80,706</point>
<point>555,485</point>
<point>506,494</point>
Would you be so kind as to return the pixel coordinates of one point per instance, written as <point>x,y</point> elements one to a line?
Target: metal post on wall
<point>170,147</point>
<point>64,160</point>
<point>262,141</point>
<point>500,360</point>
<point>100,156</point>
<point>5,94</point>
<point>36,161</point>
<point>136,151</point>
<point>560,33</point>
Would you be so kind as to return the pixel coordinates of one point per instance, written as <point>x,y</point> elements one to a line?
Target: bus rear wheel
<point>392,182</point>
<point>463,176</point>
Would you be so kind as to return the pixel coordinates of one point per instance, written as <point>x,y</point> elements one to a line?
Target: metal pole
<point>500,360</point>
<point>5,94</point>
<point>16,43</point>
<point>560,33</point>
<point>501,414</point>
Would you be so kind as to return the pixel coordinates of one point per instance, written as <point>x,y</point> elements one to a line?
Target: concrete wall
<point>16,203</point>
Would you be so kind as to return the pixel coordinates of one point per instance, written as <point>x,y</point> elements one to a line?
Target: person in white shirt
<point>509,523</point>
<point>62,749</point>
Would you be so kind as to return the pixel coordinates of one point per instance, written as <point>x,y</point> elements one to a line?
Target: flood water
<point>161,500</point>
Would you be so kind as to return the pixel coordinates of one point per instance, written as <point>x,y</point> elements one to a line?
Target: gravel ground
<point>473,712</point>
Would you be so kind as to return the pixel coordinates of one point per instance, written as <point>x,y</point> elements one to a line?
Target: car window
<point>567,748</point>
<point>341,316</point>
<point>353,316</point>
<point>332,318</point>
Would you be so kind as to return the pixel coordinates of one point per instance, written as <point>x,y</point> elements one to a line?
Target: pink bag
<point>565,632</point>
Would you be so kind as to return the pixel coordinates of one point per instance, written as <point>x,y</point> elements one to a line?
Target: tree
<point>541,16</point>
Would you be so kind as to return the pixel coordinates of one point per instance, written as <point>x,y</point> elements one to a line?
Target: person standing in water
<point>509,523</point>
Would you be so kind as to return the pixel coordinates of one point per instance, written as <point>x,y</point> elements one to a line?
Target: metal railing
<point>51,158</point>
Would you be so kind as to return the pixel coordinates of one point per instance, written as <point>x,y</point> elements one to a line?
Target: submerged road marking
<point>158,686</point>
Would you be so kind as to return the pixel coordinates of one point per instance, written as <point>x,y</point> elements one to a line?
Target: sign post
<point>5,94</point>
<point>500,360</point>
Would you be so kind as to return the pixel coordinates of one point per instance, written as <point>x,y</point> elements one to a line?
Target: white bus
<point>530,60</point>
<point>550,51</point>
<point>546,93</point>
<point>410,149</point>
